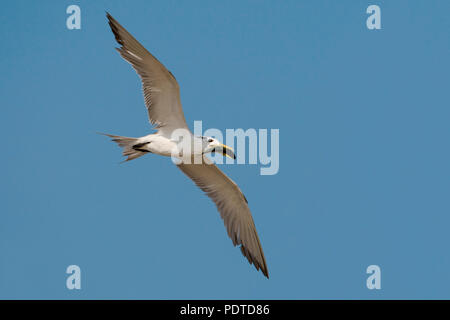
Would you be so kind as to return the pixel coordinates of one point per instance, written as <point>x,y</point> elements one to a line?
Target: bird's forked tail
<point>131,146</point>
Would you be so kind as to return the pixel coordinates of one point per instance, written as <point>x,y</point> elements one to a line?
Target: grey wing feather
<point>161,90</point>
<point>233,209</point>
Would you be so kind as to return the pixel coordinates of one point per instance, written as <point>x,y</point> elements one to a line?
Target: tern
<point>162,99</point>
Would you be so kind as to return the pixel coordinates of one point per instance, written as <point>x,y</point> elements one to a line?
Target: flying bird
<point>162,99</point>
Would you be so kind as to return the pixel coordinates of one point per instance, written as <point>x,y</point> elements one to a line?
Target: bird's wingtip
<point>109,17</point>
<point>264,271</point>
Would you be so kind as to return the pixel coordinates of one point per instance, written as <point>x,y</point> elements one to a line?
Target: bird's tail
<point>130,146</point>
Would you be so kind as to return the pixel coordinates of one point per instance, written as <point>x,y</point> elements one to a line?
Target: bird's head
<point>211,145</point>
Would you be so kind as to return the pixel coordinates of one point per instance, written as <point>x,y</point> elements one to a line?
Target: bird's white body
<point>159,144</point>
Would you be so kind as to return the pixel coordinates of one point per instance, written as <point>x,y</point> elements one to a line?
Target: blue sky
<point>364,159</point>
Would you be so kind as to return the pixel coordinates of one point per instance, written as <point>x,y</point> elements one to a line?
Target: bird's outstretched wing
<point>161,90</point>
<point>233,209</point>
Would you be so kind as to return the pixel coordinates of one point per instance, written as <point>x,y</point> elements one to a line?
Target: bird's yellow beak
<point>226,151</point>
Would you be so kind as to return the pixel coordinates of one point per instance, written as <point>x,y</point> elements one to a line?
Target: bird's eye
<point>210,140</point>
